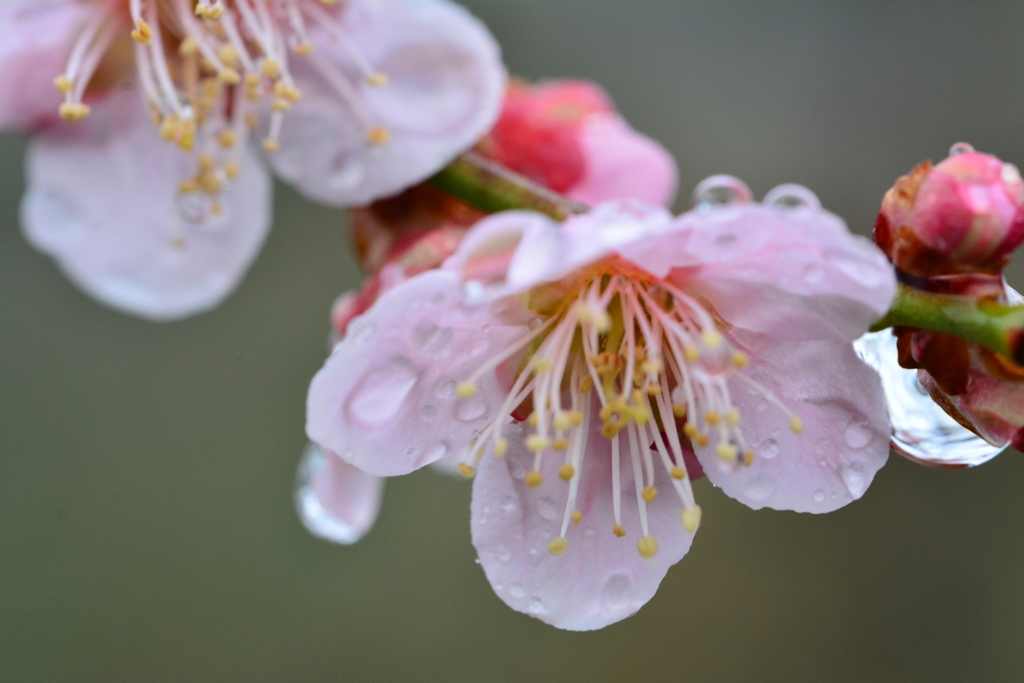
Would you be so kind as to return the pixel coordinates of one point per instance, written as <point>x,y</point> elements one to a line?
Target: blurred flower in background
<point>353,102</point>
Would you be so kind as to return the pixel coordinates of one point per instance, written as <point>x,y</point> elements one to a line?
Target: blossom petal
<point>386,401</point>
<point>336,501</point>
<point>790,273</point>
<point>623,164</point>
<point>35,40</point>
<point>444,90</point>
<point>845,435</point>
<point>601,578</point>
<point>103,202</point>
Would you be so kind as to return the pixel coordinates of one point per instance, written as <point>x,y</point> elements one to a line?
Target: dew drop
<point>720,190</point>
<point>536,606</point>
<point>855,479</point>
<point>813,274</point>
<point>428,413</point>
<point>762,405</point>
<point>433,341</point>
<point>503,553</point>
<point>821,446</point>
<point>790,196</point>
<point>768,449</point>
<point>516,590</point>
<point>960,148</point>
<point>819,496</point>
<point>759,488</point>
<point>921,430</point>
<point>860,271</point>
<point>859,432</point>
<point>444,389</point>
<point>379,395</point>
<point>436,452</point>
<point>616,589</point>
<point>547,509</point>
<point>507,503</point>
<point>471,409</point>
<point>334,500</point>
<point>360,331</point>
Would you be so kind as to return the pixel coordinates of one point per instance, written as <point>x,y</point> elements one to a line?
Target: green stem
<point>994,326</point>
<point>490,187</point>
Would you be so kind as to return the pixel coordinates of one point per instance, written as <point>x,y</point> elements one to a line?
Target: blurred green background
<point>147,531</point>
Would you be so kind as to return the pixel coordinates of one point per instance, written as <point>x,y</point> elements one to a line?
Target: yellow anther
<point>538,443</point>
<point>586,384</point>
<point>691,518</point>
<point>576,517</point>
<point>377,79</point>
<point>533,419</point>
<point>606,412</point>
<point>251,120</point>
<point>575,417</point>
<point>566,472</point>
<point>702,440</point>
<point>304,48</point>
<point>179,243</point>
<point>649,494</point>
<point>228,54</point>
<point>206,162</point>
<point>602,321</point>
<point>271,145</point>
<point>143,32</point>
<point>229,76</point>
<point>211,12</point>
<point>188,47</point>
<point>711,417</point>
<point>692,353</point>
<point>465,389</point>
<point>639,415</point>
<point>748,457</point>
<point>252,80</point>
<point>562,422</point>
<point>740,359</point>
<point>679,410</point>
<point>227,138</point>
<point>648,546</point>
<point>533,479</point>
<point>711,338</point>
<point>188,186</point>
<point>796,424</point>
<point>638,397</point>
<point>652,366</point>
<point>500,447</point>
<point>732,418</point>
<point>231,170</point>
<point>618,531</point>
<point>281,104</point>
<point>560,444</point>
<point>691,431</point>
<point>727,452</point>
<point>270,68</point>
<point>678,473</point>
<point>216,208</point>
<point>63,84</point>
<point>609,430</point>
<point>378,135</point>
<point>465,470</point>
<point>653,389</point>
<point>557,546</point>
<point>73,111</point>
<point>541,364</point>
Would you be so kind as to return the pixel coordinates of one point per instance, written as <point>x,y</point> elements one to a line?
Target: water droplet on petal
<point>428,413</point>
<point>791,196</point>
<point>516,590</point>
<point>859,432</point>
<point>616,589</point>
<point>536,606</point>
<point>855,479</point>
<point>547,509</point>
<point>471,409</point>
<point>813,274</point>
<point>507,503</point>
<point>821,446</point>
<point>503,553</point>
<point>858,270</point>
<point>921,430</point>
<point>379,395</point>
<point>759,488</point>
<point>332,503</point>
<point>762,405</point>
<point>431,340</point>
<point>819,496</point>
<point>960,148</point>
<point>720,190</point>
<point>436,452</point>
<point>444,389</point>
<point>768,449</point>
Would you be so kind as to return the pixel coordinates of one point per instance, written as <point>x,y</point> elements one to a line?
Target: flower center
<point>205,65</point>
<point>652,355</point>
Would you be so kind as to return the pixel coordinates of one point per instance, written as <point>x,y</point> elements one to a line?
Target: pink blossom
<point>553,362</point>
<point>352,102</point>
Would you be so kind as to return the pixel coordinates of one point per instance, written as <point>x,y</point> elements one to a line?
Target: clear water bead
<point>720,190</point>
<point>791,196</point>
<point>921,430</point>
<point>335,501</point>
<point>960,148</point>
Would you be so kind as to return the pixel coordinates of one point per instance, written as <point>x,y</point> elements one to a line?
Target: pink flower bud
<point>963,215</point>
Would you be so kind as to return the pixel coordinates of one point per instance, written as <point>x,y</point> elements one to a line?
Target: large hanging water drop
<point>335,501</point>
<point>921,430</point>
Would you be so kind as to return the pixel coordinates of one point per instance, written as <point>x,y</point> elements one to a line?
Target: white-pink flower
<point>153,201</point>
<point>554,362</point>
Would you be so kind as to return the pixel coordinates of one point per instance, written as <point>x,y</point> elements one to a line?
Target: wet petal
<point>792,273</point>
<point>444,90</point>
<point>35,39</point>
<point>623,164</point>
<point>386,401</point>
<point>335,501</point>
<point>103,201</point>
<point>601,578</point>
<point>845,435</point>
